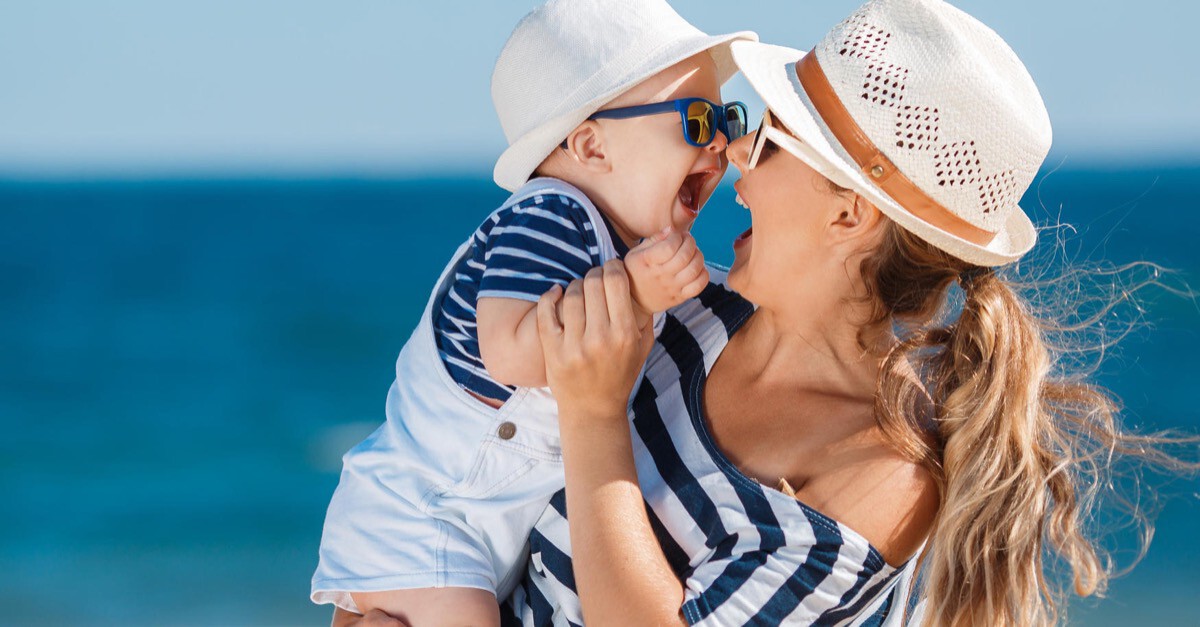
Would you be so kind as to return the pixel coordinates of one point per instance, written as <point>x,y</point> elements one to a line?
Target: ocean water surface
<point>183,362</point>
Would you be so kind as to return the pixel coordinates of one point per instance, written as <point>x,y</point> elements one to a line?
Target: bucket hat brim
<point>770,70</point>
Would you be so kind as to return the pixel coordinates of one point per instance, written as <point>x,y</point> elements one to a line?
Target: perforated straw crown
<point>924,111</point>
<point>568,58</point>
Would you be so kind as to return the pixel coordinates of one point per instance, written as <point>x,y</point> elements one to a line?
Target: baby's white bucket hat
<point>922,110</point>
<point>568,58</point>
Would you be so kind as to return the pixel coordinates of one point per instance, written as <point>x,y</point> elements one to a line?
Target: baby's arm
<point>424,607</point>
<point>531,249</point>
<point>509,343</point>
<point>373,618</point>
<point>664,271</point>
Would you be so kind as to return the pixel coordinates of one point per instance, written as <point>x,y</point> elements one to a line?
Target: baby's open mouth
<point>690,191</point>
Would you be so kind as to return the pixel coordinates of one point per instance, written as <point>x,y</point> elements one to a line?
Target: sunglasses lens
<point>700,123</point>
<point>735,121</point>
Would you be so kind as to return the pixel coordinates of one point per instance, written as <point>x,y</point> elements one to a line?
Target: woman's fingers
<point>592,361</point>
<point>616,288</point>
<point>595,300</point>
<point>574,315</point>
<point>549,325</point>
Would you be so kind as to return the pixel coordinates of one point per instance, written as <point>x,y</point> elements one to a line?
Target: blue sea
<point>183,362</point>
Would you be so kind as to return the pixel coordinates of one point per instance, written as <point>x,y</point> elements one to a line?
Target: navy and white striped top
<point>518,252</point>
<point>747,554</point>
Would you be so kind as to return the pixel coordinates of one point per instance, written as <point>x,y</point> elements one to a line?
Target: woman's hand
<point>594,352</point>
<point>591,343</point>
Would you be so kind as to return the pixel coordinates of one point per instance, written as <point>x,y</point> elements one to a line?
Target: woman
<point>792,460</point>
<point>887,170</point>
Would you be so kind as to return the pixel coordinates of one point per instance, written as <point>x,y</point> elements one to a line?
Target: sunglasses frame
<point>681,105</point>
<point>785,140</point>
<point>767,131</point>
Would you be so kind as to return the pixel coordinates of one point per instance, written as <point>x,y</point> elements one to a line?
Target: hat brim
<point>516,165</point>
<point>770,70</point>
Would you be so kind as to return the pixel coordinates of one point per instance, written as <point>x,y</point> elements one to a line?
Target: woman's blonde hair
<point>1019,448</point>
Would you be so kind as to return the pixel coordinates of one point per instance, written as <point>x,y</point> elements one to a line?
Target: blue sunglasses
<point>701,120</point>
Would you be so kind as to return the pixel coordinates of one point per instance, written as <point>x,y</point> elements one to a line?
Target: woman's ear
<point>586,148</point>
<point>856,217</point>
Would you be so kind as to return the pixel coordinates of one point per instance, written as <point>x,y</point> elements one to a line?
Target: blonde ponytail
<point>1020,450</point>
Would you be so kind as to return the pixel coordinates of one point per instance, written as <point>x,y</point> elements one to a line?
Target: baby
<point>612,107</point>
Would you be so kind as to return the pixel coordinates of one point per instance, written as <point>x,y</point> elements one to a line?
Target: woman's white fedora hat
<point>568,58</point>
<point>923,111</point>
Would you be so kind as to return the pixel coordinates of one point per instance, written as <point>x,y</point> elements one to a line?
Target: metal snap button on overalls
<point>506,431</point>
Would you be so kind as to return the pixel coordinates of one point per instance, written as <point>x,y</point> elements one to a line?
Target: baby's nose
<point>719,143</point>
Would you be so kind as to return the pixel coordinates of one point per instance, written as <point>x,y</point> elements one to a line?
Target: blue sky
<point>382,87</point>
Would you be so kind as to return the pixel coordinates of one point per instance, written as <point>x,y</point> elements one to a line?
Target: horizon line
<point>476,171</point>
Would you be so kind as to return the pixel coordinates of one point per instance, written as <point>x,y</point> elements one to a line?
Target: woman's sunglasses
<point>701,119</point>
<point>759,150</point>
<point>769,133</point>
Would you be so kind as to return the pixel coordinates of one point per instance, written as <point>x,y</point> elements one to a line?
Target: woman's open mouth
<point>743,238</point>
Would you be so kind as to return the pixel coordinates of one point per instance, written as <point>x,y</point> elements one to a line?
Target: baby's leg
<point>435,607</point>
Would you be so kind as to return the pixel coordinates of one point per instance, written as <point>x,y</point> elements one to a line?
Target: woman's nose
<point>738,152</point>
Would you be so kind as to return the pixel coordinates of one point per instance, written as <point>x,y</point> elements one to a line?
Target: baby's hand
<point>665,270</point>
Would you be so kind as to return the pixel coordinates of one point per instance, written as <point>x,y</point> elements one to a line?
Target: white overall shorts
<point>446,491</point>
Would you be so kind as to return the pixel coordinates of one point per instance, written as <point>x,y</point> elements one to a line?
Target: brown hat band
<point>873,163</point>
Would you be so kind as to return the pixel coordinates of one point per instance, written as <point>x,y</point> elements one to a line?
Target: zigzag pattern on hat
<point>918,127</point>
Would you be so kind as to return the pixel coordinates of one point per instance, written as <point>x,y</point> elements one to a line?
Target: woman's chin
<point>740,270</point>
<point>741,248</point>
<point>736,273</point>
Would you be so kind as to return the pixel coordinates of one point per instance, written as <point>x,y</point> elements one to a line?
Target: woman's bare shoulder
<point>889,500</point>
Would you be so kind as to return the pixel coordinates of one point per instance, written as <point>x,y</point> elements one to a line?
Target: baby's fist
<point>665,270</point>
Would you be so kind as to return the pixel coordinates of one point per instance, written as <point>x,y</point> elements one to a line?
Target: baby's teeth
<point>741,202</point>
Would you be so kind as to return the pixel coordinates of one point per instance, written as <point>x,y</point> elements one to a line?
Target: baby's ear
<point>586,147</point>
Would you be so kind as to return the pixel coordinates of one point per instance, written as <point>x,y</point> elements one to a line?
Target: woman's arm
<point>621,572</point>
<point>593,354</point>
<point>622,575</point>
